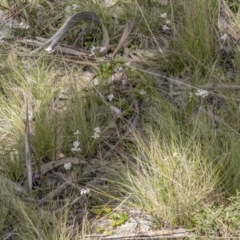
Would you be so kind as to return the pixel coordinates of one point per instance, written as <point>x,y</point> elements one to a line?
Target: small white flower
<point>175,154</point>
<point>77,132</point>
<point>49,49</point>
<point>85,191</point>
<point>164,15</point>
<point>74,6</point>
<point>110,97</point>
<point>75,146</point>
<point>102,49</point>
<point>61,155</point>
<point>22,25</point>
<point>168,22</point>
<point>142,92</point>
<point>67,166</point>
<point>190,94</point>
<point>165,28</point>
<point>96,135</point>
<point>95,81</point>
<point>224,37</point>
<point>92,49</point>
<point>124,82</point>
<point>201,93</point>
<point>96,132</point>
<point>119,69</point>
<point>115,109</point>
<point>127,64</point>
<point>97,129</point>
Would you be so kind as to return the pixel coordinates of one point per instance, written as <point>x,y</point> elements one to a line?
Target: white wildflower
<point>49,49</point>
<point>142,92</point>
<point>190,94</point>
<point>165,28</point>
<point>67,166</point>
<point>164,15</point>
<point>95,81</point>
<point>23,26</point>
<point>96,132</point>
<point>61,155</point>
<point>124,83</point>
<point>168,22</point>
<point>85,191</point>
<point>175,154</point>
<point>97,129</point>
<point>74,6</point>
<point>77,132</point>
<point>75,146</point>
<point>102,49</point>
<point>110,97</point>
<point>119,69</point>
<point>127,64</point>
<point>115,109</point>
<point>201,93</point>
<point>92,49</point>
<point>224,37</point>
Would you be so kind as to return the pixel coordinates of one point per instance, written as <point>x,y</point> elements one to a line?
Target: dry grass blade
<point>27,151</point>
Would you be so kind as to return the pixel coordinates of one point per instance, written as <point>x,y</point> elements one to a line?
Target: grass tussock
<point>169,175</point>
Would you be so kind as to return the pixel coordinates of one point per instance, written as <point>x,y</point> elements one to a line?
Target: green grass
<point>169,152</point>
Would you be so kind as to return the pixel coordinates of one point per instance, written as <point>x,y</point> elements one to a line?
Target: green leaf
<point>108,232</point>
<point>107,209</point>
<point>99,229</point>
<point>96,211</point>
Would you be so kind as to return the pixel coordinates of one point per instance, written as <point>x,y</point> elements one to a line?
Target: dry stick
<point>27,150</point>
<point>132,125</point>
<point>161,234</point>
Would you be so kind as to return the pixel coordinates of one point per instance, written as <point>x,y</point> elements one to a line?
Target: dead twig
<point>27,151</point>
<point>162,234</point>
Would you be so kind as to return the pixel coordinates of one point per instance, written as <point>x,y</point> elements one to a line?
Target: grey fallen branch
<point>52,43</point>
<point>59,48</point>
